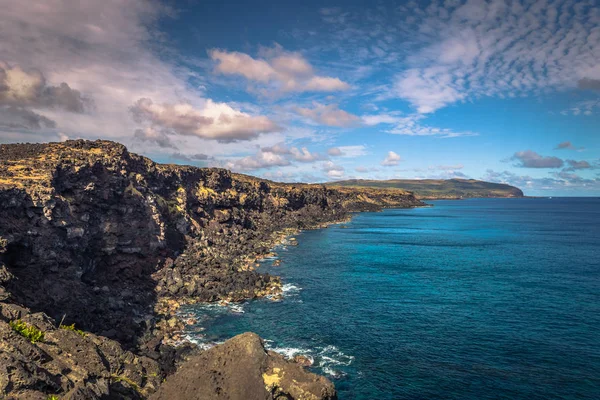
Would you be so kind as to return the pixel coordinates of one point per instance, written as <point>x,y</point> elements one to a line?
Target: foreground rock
<point>114,243</point>
<point>241,369</point>
<point>75,364</point>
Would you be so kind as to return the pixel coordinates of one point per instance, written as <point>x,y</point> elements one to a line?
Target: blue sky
<point>507,91</point>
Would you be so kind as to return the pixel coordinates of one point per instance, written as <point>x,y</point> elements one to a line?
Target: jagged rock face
<point>77,365</point>
<point>100,234</point>
<point>112,241</point>
<point>241,369</point>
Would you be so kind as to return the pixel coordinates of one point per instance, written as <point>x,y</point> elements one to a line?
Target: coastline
<point>112,244</point>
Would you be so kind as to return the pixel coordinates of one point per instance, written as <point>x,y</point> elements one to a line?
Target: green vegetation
<point>132,191</point>
<point>72,328</point>
<point>439,188</point>
<point>123,378</point>
<point>52,397</point>
<point>28,331</point>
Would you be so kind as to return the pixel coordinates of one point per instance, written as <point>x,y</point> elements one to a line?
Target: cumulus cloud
<point>303,155</point>
<point>29,89</point>
<point>13,118</point>
<point>216,121</point>
<point>531,159</point>
<point>574,165</point>
<point>262,159</point>
<point>335,152</point>
<point>391,160</point>
<point>157,137</point>
<point>333,170</point>
<point>282,71</point>
<point>329,115</point>
<point>294,153</point>
<point>61,54</point>
<point>278,148</point>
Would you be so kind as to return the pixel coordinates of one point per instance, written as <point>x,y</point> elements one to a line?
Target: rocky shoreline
<point>98,249</point>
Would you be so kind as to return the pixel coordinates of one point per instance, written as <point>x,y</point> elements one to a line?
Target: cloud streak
<point>531,159</point>
<point>329,115</point>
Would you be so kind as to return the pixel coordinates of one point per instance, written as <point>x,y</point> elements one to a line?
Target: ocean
<point>471,299</point>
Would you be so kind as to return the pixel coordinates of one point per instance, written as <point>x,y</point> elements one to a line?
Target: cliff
<point>431,189</point>
<point>111,242</point>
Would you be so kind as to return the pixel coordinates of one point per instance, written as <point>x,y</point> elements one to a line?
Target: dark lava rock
<point>113,242</point>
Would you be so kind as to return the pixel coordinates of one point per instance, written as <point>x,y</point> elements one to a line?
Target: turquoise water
<point>473,299</point>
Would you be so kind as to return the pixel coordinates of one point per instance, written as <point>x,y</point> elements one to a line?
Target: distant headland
<point>431,189</point>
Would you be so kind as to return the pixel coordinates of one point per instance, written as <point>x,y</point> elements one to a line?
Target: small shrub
<point>72,328</point>
<point>28,331</point>
<point>52,397</point>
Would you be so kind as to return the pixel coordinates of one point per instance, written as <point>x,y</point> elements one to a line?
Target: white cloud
<point>559,181</point>
<point>294,153</point>
<point>377,119</point>
<point>284,71</point>
<point>216,121</point>
<point>335,152</point>
<point>585,108</point>
<point>303,155</point>
<point>158,137</point>
<point>531,159</point>
<point>332,170</point>
<point>391,160</point>
<point>411,126</point>
<point>262,159</point>
<point>353,151</point>
<point>448,167</point>
<point>60,57</point>
<point>428,89</point>
<point>329,115</point>
<point>454,51</point>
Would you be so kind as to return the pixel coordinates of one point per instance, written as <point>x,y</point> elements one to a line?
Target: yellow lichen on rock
<point>272,380</point>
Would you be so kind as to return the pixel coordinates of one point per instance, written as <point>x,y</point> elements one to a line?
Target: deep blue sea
<point>473,299</point>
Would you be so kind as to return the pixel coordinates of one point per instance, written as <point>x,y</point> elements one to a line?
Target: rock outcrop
<point>241,369</point>
<point>112,242</point>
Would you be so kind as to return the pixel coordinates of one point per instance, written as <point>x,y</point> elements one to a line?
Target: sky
<point>307,91</point>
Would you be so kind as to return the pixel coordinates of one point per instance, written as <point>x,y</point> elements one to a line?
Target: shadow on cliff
<point>86,254</point>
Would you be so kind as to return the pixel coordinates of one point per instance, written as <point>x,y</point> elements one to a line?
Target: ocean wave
<point>329,359</point>
<point>290,289</point>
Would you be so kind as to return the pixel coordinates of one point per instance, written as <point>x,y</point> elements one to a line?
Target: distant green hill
<point>439,188</point>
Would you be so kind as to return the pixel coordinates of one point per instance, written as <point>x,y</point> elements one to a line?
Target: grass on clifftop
<point>28,331</point>
<point>128,381</point>
<point>72,328</point>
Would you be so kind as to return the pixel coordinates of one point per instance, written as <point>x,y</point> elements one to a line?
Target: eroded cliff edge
<point>113,242</point>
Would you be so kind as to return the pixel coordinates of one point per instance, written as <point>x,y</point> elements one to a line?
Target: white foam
<point>290,289</point>
<point>291,352</point>
<point>236,308</point>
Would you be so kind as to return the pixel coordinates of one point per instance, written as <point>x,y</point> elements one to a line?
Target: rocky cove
<point>98,249</point>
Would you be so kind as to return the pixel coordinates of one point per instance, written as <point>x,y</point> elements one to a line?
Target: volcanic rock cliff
<point>111,242</point>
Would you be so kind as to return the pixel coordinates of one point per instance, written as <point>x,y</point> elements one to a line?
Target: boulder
<point>241,369</point>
